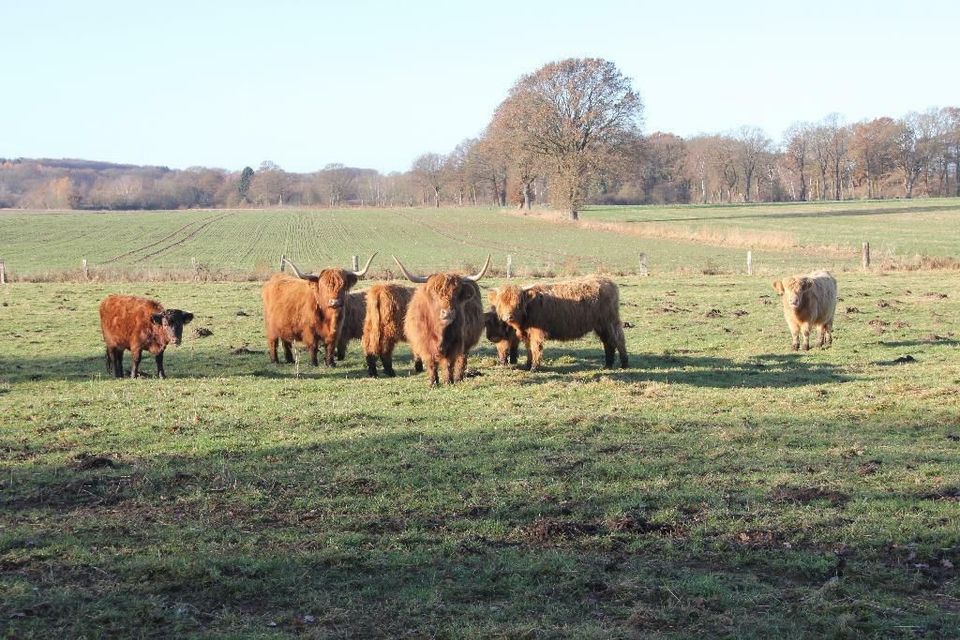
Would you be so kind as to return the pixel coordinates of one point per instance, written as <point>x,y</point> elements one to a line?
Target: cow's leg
<point>608,347</point>
<point>372,365</point>
<point>805,330</point>
<point>447,366</point>
<point>620,340</point>
<point>387,358</point>
<point>529,363</point>
<point>341,350</point>
<point>135,354</point>
<point>460,367</point>
<point>417,364</point>
<point>329,357</point>
<point>795,334</point>
<point>514,349</point>
<point>160,372</point>
<point>272,348</point>
<point>117,363</point>
<point>536,349</point>
<point>829,329</point>
<point>311,344</point>
<point>502,347</point>
<point>432,373</point>
<point>287,352</point>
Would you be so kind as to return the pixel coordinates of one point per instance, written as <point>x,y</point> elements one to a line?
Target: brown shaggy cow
<point>355,310</point>
<point>444,321</point>
<point>133,323</point>
<point>383,326</point>
<point>503,336</point>
<point>563,311</point>
<point>809,301</point>
<point>308,308</point>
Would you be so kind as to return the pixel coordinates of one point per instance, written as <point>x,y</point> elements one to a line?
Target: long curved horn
<point>300,274</point>
<point>412,277</point>
<point>486,266</point>
<point>363,271</point>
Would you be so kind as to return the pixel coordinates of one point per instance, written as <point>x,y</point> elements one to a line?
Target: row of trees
<point>567,134</point>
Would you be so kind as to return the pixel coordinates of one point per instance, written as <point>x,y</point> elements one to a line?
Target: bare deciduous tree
<point>572,113</point>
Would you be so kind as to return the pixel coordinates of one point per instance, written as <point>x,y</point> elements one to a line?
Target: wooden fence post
<point>865,255</point>
<point>643,265</point>
<point>3,272</point>
<point>509,266</point>
<point>86,272</point>
<point>749,263</point>
<point>282,262</point>
<point>355,261</point>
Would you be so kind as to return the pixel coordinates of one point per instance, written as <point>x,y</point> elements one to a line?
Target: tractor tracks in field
<point>164,244</point>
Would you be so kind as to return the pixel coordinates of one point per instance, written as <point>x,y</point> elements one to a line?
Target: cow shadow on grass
<point>185,365</point>
<point>761,371</point>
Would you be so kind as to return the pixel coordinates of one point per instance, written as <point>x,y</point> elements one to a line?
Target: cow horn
<point>486,266</point>
<point>363,271</point>
<point>410,276</point>
<point>300,274</point>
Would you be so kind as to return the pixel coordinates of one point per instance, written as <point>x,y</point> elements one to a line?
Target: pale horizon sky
<point>374,84</point>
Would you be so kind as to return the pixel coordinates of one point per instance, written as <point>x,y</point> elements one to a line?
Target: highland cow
<point>808,301</point>
<point>503,336</point>
<point>308,308</point>
<point>563,311</point>
<point>444,321</point>
<point>383,326</point>
<point>134,324</point>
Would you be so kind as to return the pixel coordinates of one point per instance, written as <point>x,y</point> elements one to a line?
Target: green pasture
<point>722,486</point>
<point>242,244</point>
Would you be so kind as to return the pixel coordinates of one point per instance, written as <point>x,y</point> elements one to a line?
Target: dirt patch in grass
<point>549,530</point>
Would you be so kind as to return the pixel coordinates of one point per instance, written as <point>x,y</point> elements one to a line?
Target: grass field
<point>722,486</point>
<point>247,243</point>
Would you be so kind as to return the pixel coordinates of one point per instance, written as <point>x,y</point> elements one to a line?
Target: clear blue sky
<point>374,84</point>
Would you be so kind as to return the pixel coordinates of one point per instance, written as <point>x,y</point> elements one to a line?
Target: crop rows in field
<point>245,241</point>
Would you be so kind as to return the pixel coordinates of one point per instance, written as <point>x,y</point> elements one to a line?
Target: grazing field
<point>245,244</point>
<point>723,486</point>
<point>894,228</point>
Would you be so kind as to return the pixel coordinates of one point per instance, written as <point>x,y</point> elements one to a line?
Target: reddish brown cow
<point>563,311</point>
<point>383,326</point>
<point>134,324</point>
<point>444,321</point>
<point>503,336</point>
<point>308,308</point>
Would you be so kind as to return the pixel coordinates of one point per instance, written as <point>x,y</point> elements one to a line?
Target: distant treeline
<point>915,155</point>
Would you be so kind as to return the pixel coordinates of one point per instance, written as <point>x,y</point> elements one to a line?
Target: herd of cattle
<point>441,319</point>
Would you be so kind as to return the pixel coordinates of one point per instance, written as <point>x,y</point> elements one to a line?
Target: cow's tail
<point>371,326</point>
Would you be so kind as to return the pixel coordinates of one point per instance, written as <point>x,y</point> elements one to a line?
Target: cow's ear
<point>778,286</point>
<point>805,284</point>
<point>492,296</point>
<point>156,318</point>
<point>187,317</point>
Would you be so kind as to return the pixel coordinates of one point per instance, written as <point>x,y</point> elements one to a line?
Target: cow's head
<point>792,290</point>
<point>497,329</point>
<point>447,292</point>
<point>171,322</point>
<point>331,285</point>
<point>510,302</point>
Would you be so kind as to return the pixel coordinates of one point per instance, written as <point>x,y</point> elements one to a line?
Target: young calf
<point>809,301</point>
<point>503,336</point>
<point>134,324</point>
